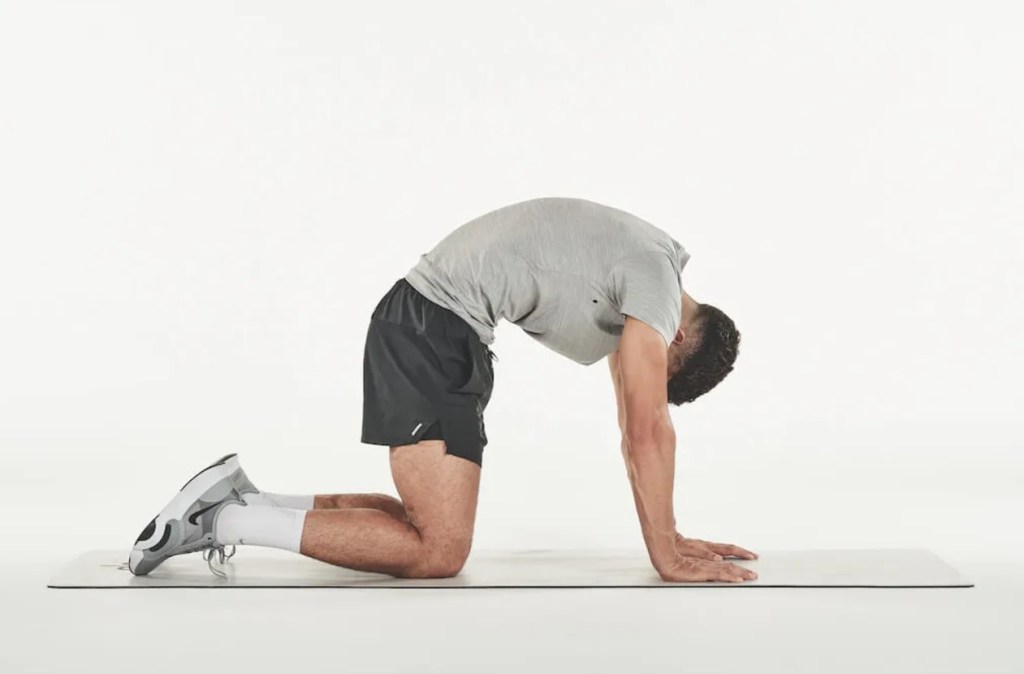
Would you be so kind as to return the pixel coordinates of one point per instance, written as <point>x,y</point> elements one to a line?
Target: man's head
<point>702,353</point>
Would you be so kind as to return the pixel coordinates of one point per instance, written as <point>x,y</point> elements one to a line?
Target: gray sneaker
<point>187,523</point>
<point>234,468</point>
<point>242,482</point>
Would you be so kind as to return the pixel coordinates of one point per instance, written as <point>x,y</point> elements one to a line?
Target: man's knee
<point>441,561</point>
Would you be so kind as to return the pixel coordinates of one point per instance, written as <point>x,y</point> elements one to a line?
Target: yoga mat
<point>261,567</point>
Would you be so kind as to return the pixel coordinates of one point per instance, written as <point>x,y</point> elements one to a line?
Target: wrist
<point>662,552</point>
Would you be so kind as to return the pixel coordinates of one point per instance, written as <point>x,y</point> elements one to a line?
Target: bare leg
<point>439,493</point>
<point>388,504</point>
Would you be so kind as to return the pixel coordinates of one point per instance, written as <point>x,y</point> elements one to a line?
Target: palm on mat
<point>700,560</point>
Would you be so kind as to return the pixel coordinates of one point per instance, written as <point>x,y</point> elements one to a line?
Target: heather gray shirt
<point>566,271</point>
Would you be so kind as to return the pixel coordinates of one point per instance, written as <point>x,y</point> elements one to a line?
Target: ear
<point>680,336</point>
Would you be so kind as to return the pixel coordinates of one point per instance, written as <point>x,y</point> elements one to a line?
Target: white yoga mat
<point>260,567</point>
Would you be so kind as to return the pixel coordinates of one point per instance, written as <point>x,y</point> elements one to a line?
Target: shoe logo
<point>194,517</point>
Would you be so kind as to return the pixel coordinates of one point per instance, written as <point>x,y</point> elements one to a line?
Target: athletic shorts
<point>426,375</point>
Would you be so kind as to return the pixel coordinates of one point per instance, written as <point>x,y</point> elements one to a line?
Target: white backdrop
<point>201,207</point>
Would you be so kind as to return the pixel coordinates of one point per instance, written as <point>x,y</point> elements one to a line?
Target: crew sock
<point>266,498</point>
<point>267,526</point>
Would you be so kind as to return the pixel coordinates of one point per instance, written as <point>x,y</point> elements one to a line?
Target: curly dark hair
<point>707,364</point>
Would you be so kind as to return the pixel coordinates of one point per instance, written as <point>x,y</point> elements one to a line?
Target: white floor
<point>608,630</point>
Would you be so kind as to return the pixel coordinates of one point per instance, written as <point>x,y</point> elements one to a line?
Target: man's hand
<point>695,547</point>
<point>691,569</point>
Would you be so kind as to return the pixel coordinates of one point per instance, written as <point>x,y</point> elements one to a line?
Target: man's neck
<point>689,308</point>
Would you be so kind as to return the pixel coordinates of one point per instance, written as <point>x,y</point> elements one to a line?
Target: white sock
<point>268,526</point>
<point>265,498</point>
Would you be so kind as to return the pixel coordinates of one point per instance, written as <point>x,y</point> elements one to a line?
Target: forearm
<point>650,464</point>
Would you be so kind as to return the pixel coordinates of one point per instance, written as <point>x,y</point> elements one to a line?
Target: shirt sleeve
<point>649,289</point>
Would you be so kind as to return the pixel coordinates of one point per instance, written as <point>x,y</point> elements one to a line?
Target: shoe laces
<point>218,550</point>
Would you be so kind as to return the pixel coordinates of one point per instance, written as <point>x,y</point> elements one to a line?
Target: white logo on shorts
<point>417,428</point>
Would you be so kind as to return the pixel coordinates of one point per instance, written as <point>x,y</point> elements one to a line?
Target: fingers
<point>690,549</point>
<point>730,572</point>
<point>748,574</point>
<point>692,569</point>
<point>729,550</point>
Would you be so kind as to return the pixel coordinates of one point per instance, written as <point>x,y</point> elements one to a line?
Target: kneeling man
<point>585,280</point>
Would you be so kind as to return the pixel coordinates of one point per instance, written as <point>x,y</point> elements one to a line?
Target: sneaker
<point>187,523</point>
<point>232,467</point>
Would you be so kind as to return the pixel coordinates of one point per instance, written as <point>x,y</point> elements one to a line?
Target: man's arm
<point>648,438</point>
<point>639,374</point>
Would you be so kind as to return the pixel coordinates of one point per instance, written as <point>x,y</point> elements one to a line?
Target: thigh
<point>439,491</point>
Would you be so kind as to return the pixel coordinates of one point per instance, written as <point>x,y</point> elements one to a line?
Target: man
<point>583,279</point>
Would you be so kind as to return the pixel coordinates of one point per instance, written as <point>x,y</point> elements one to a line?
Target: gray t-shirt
<point>567,271</point>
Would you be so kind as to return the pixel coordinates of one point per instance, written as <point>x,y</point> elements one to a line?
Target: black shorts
<point>426,375</point>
